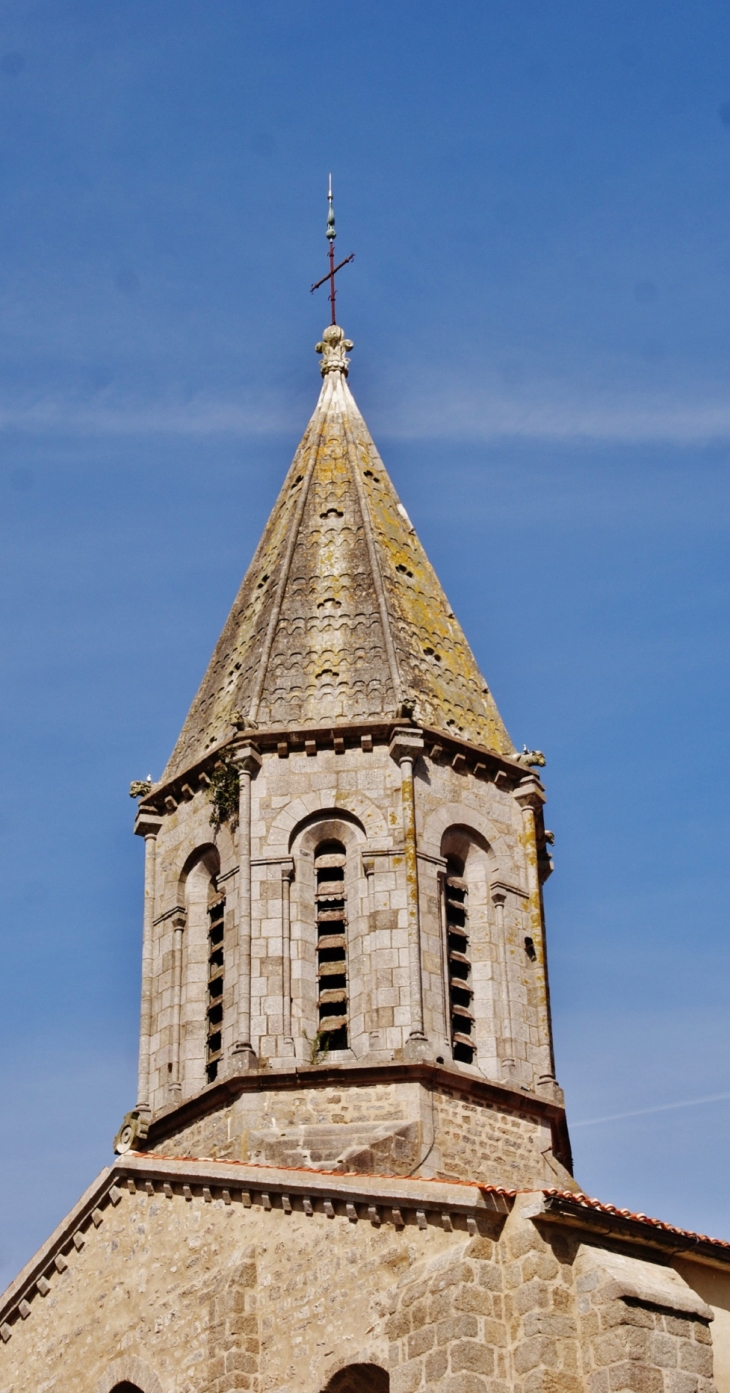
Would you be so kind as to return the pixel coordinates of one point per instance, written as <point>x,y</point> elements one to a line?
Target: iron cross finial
<point>331,234</point>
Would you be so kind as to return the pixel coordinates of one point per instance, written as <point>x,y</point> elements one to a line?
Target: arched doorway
<point>359,1378</point>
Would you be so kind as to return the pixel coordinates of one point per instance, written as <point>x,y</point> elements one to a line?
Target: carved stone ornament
<point>334,347</point>
<point>132,1132</point>
<point>528,758</point>
<point>242,722</point>
<point>139,788</point>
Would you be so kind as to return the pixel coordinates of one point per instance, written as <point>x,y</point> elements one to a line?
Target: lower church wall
<point>182,1294</point>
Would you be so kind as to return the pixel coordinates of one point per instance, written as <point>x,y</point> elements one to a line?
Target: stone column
<point>287,876</point>
<point>243,1055</point>
<point>531,796</point>
<point>405,747</point>
<point>179,919</point>
<point>507,1059</point>
<point>147,825</point>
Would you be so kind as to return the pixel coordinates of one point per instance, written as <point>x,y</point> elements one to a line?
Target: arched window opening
<point>126,1388</point>
<point>216,968</point>
<point>331,909</point>
<point>359,1378</point>
<point>461,995</point>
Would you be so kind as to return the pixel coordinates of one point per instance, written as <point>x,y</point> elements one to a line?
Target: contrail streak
<point>643,1112</point>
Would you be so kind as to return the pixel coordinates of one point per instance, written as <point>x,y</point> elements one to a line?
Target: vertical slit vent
<point>461,996</point>
<point>216,950</point>
<point>331,902</point>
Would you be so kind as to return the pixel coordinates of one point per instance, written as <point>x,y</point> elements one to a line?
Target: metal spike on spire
<point>330,235</point>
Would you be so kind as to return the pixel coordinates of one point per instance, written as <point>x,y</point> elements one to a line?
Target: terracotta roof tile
<point>587,1202</point>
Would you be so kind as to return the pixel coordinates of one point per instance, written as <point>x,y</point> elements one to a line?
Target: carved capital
<point>246,758</point>
<point>406,744</point>
<point>530,793</point>
<point>147,823</point>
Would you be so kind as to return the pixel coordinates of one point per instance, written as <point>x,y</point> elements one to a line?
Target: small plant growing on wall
<point>319,1046</point>
<point>223,794</point>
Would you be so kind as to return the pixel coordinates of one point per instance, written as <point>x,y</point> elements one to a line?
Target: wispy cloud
<point>452,413</point>
<point>556,414</point>
<point>644,1112</point>
<point>197,416</point>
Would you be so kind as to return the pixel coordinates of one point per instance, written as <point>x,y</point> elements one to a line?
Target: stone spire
<point>340,618</point>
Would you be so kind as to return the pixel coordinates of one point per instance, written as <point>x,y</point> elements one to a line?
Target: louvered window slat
<point>330,913</point>
<point>459,963</point>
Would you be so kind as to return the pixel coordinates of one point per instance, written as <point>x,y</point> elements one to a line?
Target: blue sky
<point>539,201</point>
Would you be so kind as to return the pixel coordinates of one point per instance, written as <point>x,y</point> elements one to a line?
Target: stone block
<point>695,1359</point>
<point>465,1382</point>
<point>677,1382</point>
<point>436,1365</point>
<point>473,1355</point>
<point>457,1327</point>
<point>529,1354</point>
<point>407,1377</point>
<point>635,1378</point>
<point>420,1341</point>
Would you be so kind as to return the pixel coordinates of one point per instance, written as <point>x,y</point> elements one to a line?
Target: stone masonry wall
<point>211,1294</point>
<point>379,1128</point>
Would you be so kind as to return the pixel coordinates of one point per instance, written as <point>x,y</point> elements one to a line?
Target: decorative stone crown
<point>333,348</point>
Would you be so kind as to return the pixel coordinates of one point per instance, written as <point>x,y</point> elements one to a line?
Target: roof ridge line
<point>288,557</point>
<point>395,674</point>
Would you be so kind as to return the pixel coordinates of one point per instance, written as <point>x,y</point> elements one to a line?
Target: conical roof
<point>340,617</point>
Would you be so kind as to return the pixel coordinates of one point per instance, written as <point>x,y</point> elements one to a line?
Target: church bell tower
<point>344,956</point>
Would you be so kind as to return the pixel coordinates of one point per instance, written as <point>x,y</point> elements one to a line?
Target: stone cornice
<point>463,755</point>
